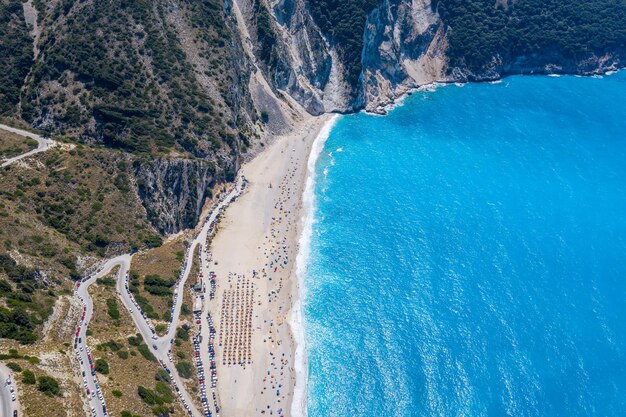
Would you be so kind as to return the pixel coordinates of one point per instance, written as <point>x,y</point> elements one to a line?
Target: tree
<point>14,367</point>
<point>28,377</point>
<point>184,369</point>
<point>102,366</point>
<point>48,385</point>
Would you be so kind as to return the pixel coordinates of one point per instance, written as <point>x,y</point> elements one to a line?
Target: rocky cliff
<point>188,87</point>
<point>173,191</point>
<point>405,43</point>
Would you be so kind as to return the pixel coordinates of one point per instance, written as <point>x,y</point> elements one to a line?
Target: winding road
<point>7,405</point>
<point>44,144</point>
<point>159,346</point>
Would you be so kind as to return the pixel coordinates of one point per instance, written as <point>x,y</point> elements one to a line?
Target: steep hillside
<point>16,50</point>
<point>487,41</point>
<point>150,77</point>
<point>169,96</point>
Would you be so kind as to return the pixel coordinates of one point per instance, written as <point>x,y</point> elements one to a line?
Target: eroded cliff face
<point>213,79</point>
<point>405,43</point>
<point>546,62</point>
<point>173,191</point>
<point>300,66</point>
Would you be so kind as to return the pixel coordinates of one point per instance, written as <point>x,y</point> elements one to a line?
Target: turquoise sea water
<point>469,255</point>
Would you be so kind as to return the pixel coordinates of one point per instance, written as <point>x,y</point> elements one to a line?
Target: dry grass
<point>69,203</point>
<point>164,261</point>
<point>55,359</point>
<point>125,375</point>
<point>12,144</point>
<point>186,349</point>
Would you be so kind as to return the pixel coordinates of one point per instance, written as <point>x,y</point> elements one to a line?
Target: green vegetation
<point>145,352</point>
<point>156,285</point>
<point>51,209</point>
<point>343,23</point>
<point>48,385</point>
<point>102,366</point>
<point>132,77</point>
<point>112,309</point>
<point>111,344</point>
<point>162,375</point>
<point>15,367</point>
<point>28,302</point>
<point>107,281</point>
<point>28,377</point>
<point>185,310</point>
<point>481,30</point>
<point>146,306</point>
<point>266,35</point>
<point>185,369</point>
<point>182,334</point>
<point>159,396</point>
<point>12,144</point>
<point>136,340</point>
<point>16,50</point>
<point>117,393</point>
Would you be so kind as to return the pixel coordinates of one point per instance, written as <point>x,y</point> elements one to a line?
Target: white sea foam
<point>298,406</point>
<point>399,102</point>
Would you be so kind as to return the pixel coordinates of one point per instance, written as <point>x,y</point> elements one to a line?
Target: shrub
<point>135,340</point>
<point>184,369</point>
<point>14,367</point>
<point>112,309</point>
<point>162,375</point>
<point>116,393</point>
<point>185,310</point>
<point>28,377</point>
<point>182,334</point>
<point>147,395</point>
<point>48,385</point>
<point>102,366</point>
<point>145,352</point>
<point>122,354</point>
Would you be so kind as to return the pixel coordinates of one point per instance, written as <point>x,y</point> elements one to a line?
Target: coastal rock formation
<point>190,87</point>
<point>293,55</point>
<point>404,48</point>
<point>173,191</point>
<point>547,62</point>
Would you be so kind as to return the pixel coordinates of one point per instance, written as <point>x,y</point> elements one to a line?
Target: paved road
<point>204,361</point>
<point>44,144</point>
<point>7,405</point>
<point>96,401</point>
<point>160,346</point>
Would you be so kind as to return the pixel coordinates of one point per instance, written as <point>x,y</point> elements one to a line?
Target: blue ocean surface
<point>468,255</point>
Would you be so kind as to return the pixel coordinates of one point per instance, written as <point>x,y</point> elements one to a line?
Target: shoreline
<point>257,310</point>
<point>296,321</point>
<point>405,91</point>
<point>272,222</point>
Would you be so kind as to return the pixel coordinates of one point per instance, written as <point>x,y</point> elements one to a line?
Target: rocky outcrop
<point>547,62</point>
<point>404,48</point>
<point>303,65</point>
<point>173,191</point>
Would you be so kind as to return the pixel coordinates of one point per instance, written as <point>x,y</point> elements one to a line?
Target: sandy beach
<point>253,256</point>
